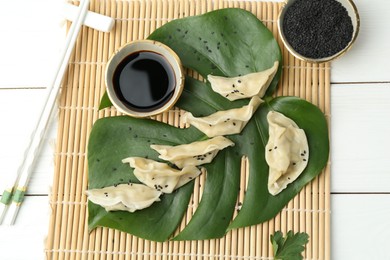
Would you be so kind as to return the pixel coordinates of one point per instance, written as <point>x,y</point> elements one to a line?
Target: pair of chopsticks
<point>13,195</point>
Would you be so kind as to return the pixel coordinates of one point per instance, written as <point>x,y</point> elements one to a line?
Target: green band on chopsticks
<point>6,197</point>
<point>19,195</point>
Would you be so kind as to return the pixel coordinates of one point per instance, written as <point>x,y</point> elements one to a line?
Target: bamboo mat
<point>83,86</point>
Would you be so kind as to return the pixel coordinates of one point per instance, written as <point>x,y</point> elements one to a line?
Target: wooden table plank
<point>360,226</point>
<point>25,240</point>
<point>369,58</point>
<point>360,138</point>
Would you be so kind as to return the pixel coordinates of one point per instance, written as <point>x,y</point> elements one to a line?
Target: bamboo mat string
<point>83,86</point>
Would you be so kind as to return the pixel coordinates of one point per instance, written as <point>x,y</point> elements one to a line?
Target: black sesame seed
<point>135,136</point>
<point>178,29</point>
<point>186,32</point>
<point>130,128</point>
<point>204,41</point>
<point>294,163</point>
<point>270,150</point>
<point>233,86</point>
<point>226,95</point>
<point>121,179</point>
<point>114,169</point>
<point>304,160</point>
<point>98,160</point>
<point>302,154</point>
<point>234,123</point>
<point>304,151</point>
<point>210,51</point>
<point>239,81</point>
<point>200,39</point>
<point>246,66</point>
<point>275,147</point>
<point>166,186</point>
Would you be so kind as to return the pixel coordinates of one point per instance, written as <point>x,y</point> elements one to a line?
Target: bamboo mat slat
<point>83,86</point>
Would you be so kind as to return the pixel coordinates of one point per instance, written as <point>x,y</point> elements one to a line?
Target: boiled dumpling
<point>249,85</point>
<point>161,176</point>
<point>287,151</point>
<point>196,153</point>
<point>127,197</point>
<point>225,122</point>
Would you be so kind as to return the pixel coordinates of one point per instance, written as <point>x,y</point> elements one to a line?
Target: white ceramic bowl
<point>352,12</point>
<point>139,46</point>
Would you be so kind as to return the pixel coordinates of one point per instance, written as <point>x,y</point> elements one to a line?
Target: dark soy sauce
<point>144,81</point>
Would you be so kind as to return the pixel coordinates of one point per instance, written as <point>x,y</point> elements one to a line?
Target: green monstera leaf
<point>211,43</point>
<point>115,138</point>
<point>226,42</point>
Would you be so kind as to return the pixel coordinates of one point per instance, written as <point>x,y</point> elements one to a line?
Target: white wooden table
<point>360,128</point>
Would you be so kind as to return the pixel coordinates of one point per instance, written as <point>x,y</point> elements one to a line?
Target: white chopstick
<point>24,172</point>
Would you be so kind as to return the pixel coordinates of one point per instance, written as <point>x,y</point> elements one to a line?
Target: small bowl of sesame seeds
<point>318,30</point>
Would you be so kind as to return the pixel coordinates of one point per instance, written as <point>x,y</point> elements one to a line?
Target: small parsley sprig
<point>289,247</point>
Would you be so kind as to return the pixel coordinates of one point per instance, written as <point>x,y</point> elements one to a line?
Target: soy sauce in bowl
<point>144,78</point>
<point>144,81</point>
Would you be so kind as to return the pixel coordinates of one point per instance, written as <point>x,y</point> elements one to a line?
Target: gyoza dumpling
<point>196,153</point>
<point>127,197</point>
<point>225,122</point>
<point>287,151</point>
<point>249,85</point>
<point>161,176</point>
